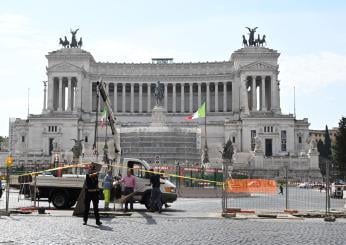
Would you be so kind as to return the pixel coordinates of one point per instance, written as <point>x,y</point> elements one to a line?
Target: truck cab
<point>140,169</point>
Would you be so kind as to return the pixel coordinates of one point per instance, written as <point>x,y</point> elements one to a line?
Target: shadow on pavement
<point>150,220</point>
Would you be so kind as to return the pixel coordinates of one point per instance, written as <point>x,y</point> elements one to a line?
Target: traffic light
<point>9,161</point>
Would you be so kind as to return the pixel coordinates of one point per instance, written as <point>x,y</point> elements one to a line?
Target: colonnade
<point>178,97</point>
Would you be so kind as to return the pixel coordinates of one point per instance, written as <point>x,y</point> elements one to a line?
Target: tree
<point>327,146</point>
<point>340,149</point>
<point>321,159</point>
<point>2,140</point>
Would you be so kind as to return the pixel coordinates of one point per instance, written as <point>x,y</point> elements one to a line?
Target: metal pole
<point>35,190</point>
<point>327,189</point>
<point>96,122</point>
<point>7,188</point>
<point>286,187</point>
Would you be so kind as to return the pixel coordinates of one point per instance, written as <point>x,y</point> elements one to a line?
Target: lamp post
<point>9,164</point>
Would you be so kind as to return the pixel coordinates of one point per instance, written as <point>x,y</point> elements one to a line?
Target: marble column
<point>174,109</point>
<point>263,94</point>
<point>60,93</point>
<point>166,95</point>
<point>191,97</point>
<point>244,96</point>
<point>208,97</point>
<point>124,98</point>
<point>140,104</point>
<point>115,102</point>
<point>51,93</point>
<point>132,97</point>
<point>216,96</point>
<point>149,97</point>
<point>199,94</point>
<point>44,96</point>
<point>182,97</point>
<point>69,92</point>
<point>225,97</point>
<point>254,94</point>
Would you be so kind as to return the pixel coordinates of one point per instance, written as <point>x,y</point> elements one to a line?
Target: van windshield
<point>137,169</point>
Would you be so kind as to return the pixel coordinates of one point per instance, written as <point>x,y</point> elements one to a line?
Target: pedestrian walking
<point>0,188</point>
<point>129,182</point>
<point>107,187</point>
<point>91,194</point>
<point>281,187</point>
<point>155,197</point>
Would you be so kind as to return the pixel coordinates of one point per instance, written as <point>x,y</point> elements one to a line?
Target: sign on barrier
<point>251,186</point>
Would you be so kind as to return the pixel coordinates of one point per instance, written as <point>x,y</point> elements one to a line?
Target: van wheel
<point>59,200</point>
<point>147,201</point>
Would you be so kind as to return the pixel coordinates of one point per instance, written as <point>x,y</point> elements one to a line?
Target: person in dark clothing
<point>91,194</point>
<point>281,187</point>
<point>155,197</point>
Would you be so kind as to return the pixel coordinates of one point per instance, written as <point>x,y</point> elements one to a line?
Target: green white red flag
<point>198,114</point>
<point>103,119</point>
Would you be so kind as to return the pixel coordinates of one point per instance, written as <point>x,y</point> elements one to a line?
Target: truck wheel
<point>59,200</point>
<point>71,203</point>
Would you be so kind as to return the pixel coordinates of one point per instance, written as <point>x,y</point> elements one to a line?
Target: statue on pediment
<point>256,42</point>
<point>252,35</point>
<point>65,43</point>
<point>74,43</point>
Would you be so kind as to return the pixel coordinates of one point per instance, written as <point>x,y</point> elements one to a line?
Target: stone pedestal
<point>158,116</point>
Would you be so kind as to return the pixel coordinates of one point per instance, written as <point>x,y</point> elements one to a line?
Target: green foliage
<point>340,149</point>
<point>327,146</point>
<point>321,161</point>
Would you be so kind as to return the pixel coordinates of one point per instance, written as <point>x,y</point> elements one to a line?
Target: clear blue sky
<point>310,35</point>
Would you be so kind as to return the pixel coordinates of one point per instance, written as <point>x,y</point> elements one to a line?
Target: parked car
<point>304,185</point>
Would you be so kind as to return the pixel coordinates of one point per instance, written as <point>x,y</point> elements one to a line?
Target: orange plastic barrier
<point>251,186</point>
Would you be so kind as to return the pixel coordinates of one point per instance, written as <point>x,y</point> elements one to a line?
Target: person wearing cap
<point>91,194</point>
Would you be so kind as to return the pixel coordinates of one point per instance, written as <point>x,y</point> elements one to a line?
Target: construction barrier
<point>247,194</point>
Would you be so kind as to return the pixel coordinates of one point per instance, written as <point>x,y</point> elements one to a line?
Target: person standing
<point>91,194</point>
<point>107,187</point>
<point>129,182</point>
<point>155,197</point>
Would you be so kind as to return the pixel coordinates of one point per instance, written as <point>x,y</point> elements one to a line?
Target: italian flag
<point>103,119</point>
<point>198,114</point>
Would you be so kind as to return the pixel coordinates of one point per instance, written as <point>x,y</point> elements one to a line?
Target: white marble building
<point>243,104</point>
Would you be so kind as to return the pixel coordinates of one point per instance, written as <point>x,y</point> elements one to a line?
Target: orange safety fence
<point>251,186</point>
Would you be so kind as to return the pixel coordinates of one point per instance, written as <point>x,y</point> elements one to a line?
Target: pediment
<point>259,66</point>
<point>64,67</point>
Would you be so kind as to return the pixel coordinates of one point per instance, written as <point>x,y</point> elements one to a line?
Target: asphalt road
<point>188,221</point>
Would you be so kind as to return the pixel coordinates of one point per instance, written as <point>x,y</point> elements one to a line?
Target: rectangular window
<point>233,139</point>
<point>253,143</point>
<point>283,140</point>
<point>86,139</point>
<point>300,139</point>
<point>23,138</point>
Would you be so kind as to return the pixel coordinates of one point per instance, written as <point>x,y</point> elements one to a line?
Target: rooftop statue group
<point>73,44</point>
<point>252,41</point>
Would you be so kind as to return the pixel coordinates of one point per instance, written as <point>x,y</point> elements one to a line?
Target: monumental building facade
<point>242,98</point>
